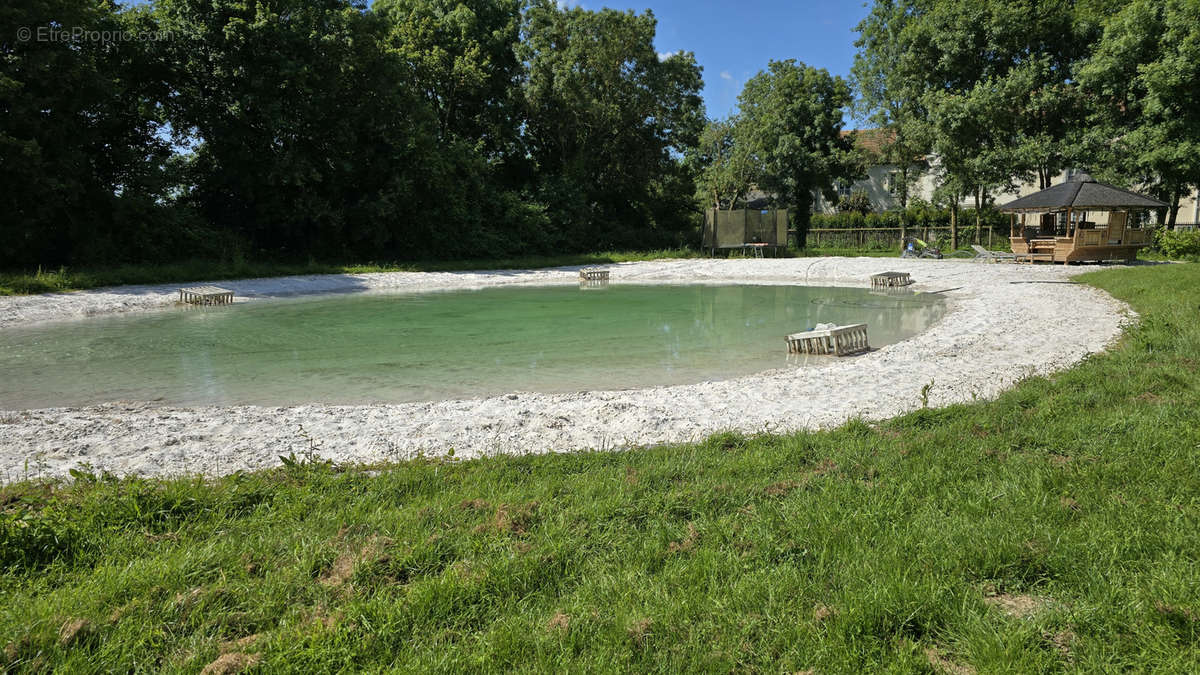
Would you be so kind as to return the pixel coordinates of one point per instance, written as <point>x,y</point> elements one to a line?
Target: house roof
<point>872,141</point>
<point>1081,192</point>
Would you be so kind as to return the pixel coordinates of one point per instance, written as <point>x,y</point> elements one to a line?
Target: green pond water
<point>372,347</point>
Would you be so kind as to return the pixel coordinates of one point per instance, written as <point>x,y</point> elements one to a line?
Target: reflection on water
<point>413,347</point>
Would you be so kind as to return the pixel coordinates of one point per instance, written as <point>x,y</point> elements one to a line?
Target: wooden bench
<point>839,340</point>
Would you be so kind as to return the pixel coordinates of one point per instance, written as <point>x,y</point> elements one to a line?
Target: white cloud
<point>663,56</point>
<point>725,75</point>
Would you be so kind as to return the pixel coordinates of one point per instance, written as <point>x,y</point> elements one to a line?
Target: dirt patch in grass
<point>640,631</point>
<point>687,543</point>
<point>824,467</point>
<point>238,644</point>
<point>228,664</point>
<point>781,488</point>
<point>631,475</point>
<point>1016,605</point>
<point>342,569</point>
<point>559,622</point>
<point>474,505</point>
<point>74,631</point>
<point>823,612</point>
<point>1060,641</point>
<point>512,518</point>
<point>943,663</point>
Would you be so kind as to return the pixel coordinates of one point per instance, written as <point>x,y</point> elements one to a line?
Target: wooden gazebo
<point>1064,231</point>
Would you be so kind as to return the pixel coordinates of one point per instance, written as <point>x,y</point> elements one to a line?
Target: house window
<point>843,188</point>
<point>892,182</point>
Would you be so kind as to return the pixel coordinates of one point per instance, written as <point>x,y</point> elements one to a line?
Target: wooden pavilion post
<point>1073,234</point>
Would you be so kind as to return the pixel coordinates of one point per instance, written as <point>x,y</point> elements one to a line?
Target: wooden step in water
<point>593,274</point>
<point>838,341</point>
<point>205,295</point>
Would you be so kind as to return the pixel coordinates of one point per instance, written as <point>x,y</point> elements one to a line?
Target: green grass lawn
<point>1055,529</point>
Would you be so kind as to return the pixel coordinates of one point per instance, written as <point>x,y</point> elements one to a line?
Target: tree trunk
<point>1175,194</point>
<point>978,221</point>
<point>954,224</point>
<point>802,219</point>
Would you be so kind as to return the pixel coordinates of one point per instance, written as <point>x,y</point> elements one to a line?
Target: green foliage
<point>918,215</point>
<point>1048,530</point>
<point>726,167</point>
<point>858,202</point>
<point>1144,76</point>
<point>288,130</point>
<point>790,120</point>
<point>607,121</point>
<point>83,163</point>
<point>1178,244</point>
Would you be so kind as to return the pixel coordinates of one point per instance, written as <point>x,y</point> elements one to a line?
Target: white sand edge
<point>1005,322</point>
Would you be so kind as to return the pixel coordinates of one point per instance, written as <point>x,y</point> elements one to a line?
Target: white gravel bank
<point>1004,323</point>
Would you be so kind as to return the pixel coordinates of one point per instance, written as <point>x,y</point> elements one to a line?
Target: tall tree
<point>306,134</point>
<point>988,83</point>
<point>462,57</point>
<point>608,124</point>
<point>790,121</point>
<point>725,167</point>
<point>886,97</point>
<point>82,160</point>
<point>1145,77</point>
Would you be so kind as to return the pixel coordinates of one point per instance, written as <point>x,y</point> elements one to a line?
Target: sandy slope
<point>1004,322</point>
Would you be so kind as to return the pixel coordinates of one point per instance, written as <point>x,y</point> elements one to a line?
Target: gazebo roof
<point>1082,192</point>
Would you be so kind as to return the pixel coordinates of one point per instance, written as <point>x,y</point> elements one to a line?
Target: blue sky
<point>734,40</point>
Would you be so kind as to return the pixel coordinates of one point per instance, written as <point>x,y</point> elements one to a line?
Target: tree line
<point>329,129</point>
<point>1008,91</point>
<point>421,129</point>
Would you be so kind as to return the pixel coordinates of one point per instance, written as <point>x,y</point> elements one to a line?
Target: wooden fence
<point>889,238</point>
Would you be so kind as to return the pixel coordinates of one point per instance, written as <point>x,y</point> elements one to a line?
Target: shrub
<point>857,202</point>
<point>1178,243</point>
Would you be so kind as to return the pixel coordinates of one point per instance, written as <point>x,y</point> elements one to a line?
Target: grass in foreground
<point>1054,529</point>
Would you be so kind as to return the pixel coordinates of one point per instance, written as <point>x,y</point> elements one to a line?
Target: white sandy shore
<point>1004,322</point>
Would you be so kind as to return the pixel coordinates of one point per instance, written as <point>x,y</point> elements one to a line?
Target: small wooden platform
<point>839,341</point>
<point>887,279</point>
<point>593,274</point>
<point>206,295</point>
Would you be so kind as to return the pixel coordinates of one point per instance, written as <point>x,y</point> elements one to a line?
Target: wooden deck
<point>1098,244</point>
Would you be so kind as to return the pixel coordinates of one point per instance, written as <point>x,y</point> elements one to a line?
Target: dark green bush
<point>1178,244</point>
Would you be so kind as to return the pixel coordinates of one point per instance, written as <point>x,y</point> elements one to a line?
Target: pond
<point>392,348</point>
